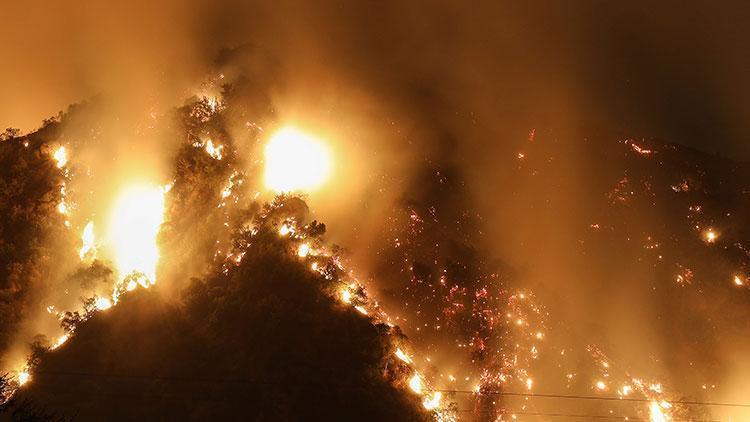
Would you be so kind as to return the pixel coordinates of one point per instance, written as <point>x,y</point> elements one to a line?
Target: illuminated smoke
<point>303,165</point>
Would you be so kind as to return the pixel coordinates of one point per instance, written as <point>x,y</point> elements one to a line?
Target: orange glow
<point>415,383</point>
<point>304,250</point>
<point>23,378</point>
<point>135,222</point>
<point>295,161</point>
<point>87,238</point>
<point>431,403</point>
<point>61,157</point>
<point>102,303</point>
<point>346,296</point>
<point>710,235</point>
<point>402,356</point>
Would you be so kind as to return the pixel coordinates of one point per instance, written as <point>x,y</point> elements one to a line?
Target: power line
<point>447,391</point>
<point>209,398</point>
<point>580,415</point>
<point>228,400</point>
<point>224,399</point>
<point>607,398</point>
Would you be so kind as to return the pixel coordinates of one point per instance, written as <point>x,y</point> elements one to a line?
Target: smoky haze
<point>643,70</point>
<point>403,92</point>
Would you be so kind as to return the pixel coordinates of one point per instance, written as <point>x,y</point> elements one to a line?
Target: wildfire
<point>361,309</point>
<point>284,230</point>
<point>134,224</point>
<point>61,157</point>
<point>657,411</point>
<point>295,161</point>
<point>353,294</point>
<point>431,403</point>
<point>710,235</point>
<point>415,383</point>
<point>346,296</point>
<point>102,303</point>
<point>87,249</point>
<point>213,150</point>
<point>23,377</point>
<point>304,250</point>
<point>641,150</point>
<point>402,356</point>
<point>60,341</point>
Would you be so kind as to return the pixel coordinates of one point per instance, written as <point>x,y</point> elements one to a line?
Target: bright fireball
<point>295,161</point>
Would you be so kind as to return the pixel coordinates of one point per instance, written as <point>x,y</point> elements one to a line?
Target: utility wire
<point>608,398</point>
<point>446,391</point>
<point>67,392</point>
<point>581,415</point>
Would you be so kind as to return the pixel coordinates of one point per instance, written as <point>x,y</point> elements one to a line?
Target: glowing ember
<point>62,207</point>
<point>710,236</point>
<point>61,157</point>
<point>295,161</point>
<point>88,241</point>
<point>641,150</point>
<point>134,224</point>
<point>738,281</point>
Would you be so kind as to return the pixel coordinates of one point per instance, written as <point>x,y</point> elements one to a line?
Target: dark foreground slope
<point>262,342</point>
